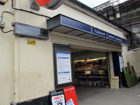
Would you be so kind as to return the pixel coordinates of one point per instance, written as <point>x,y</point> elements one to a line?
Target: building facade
<point>27,71</point>
<point>127,16</point>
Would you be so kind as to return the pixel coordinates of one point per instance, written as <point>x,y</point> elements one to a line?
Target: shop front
<point>90,53</point>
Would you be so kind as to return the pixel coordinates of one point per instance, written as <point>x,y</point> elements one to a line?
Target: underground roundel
<point>50,4</point>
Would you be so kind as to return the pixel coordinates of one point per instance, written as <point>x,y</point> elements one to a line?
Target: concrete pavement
<point>123,96</point>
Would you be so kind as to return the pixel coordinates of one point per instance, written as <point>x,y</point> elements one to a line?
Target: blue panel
<point>118,39</point>
<point>116,63</point>
<point>99,32</point>
<point>126,42</point>
<point>75,24</point>
<point>84,27</point>
<point>111,37</point>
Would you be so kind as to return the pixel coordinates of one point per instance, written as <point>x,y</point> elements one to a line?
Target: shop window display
<point>91,72</point>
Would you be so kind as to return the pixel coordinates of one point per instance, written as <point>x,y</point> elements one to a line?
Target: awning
<point>67,25</point>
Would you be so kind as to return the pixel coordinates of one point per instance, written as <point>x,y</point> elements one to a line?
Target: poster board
<point>57,97</point>
<point>63,67</point>
<point>115,82</point>
<point>70,96</point>
<point>121,63</point>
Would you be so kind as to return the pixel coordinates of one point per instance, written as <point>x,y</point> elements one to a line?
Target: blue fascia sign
<point>92,30</point>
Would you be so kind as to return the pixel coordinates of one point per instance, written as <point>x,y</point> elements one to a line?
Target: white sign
<point>58,100</point>
<point>70,102</point>
<point>121,63</point>
<point>63,67</point>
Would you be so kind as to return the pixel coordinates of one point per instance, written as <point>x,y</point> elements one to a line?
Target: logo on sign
<point>70,102</point>
<point>99,32</point>
<point>118,39</point>
<point>50,4</point>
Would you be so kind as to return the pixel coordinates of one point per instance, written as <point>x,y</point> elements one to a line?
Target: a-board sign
<point>115,82</point>
<point>57,97</point>
<point>70,96</point>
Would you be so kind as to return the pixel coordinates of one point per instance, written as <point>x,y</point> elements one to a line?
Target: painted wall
<point>34,69</point>
<point>64,9</point>
<point>125,55</point>
<point>6,58</point>
<point>134,58</point>
<point>34,74</point>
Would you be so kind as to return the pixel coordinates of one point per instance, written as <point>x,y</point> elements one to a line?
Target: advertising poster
<point>121,63</point>
<point>58,100</point>
<point>63,67</point>
<point>70,96</point>
<point>57,97</point>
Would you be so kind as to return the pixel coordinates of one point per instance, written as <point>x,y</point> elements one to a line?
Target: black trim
<point>38,101</point>
<point>60,47</point>
<point>27,35</point>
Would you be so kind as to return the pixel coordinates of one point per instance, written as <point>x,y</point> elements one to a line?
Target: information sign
<point>121,63</point>
<point>64,74</point>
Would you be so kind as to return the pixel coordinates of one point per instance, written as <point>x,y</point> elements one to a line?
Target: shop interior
<point>90,71</point>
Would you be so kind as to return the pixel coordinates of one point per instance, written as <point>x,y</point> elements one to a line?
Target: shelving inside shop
<point>91,72</point>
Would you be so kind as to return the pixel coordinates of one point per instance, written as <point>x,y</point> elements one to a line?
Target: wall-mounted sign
<point>30,31</point>
<point>31,42</point>
<point>3,1</point>
<point>64,74</point>
<point>121,63</point>
<point>50,4</point>
<point>42,2</point>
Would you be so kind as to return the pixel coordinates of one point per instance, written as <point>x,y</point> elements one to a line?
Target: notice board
<point>57,97</point>
<point>63,67</point>
<point>115,82</point>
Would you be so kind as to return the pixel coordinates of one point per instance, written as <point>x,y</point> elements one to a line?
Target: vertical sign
<point>64,74</point>
<point>121,63</point>
<point>70,96</point>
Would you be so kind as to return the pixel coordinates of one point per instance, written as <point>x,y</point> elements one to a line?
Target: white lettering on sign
<point>70,102</point>
<point>99,32</point>
<point>118,39</point>
<point>110,36</point>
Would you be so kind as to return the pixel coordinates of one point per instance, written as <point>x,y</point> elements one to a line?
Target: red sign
<point>42,2</point>
<point>70,96</point>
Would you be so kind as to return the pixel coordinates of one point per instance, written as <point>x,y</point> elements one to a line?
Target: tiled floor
<point>106,96</point>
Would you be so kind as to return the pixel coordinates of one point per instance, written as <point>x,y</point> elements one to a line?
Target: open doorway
<point>90,72</point>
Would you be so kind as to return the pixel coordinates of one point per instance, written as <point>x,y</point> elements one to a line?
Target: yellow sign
<point>31,42</point>
<point>4,0</point>
<point>114,82</point>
